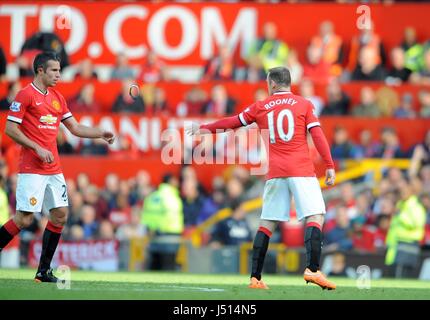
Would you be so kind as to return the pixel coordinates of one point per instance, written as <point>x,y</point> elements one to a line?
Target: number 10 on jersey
<point>279,125</point>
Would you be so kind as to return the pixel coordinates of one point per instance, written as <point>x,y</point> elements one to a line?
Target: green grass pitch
<point>18,284</point>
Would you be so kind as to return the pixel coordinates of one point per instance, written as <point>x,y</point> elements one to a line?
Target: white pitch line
<point>166,289</point>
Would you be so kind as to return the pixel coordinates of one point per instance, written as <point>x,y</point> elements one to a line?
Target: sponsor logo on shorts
<point>33,201</point>
<point>15,106</point>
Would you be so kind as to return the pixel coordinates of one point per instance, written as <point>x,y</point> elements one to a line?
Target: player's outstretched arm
<point>13,131</point>
<point>82,131</point>
<point>323,148</point>
<point>222,124</point>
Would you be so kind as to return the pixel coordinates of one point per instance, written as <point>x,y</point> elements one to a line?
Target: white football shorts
<point>37,191</point>
<point>306,193</point>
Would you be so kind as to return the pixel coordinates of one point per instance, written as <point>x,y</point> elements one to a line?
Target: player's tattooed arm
<point>82,131</point>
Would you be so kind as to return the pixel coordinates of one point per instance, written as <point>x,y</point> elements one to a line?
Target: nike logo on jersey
<point>38,103</point>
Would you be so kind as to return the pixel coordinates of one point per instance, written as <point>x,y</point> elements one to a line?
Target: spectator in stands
<point>348,198</point>
<point>424,175</point>
<point>12,90</point>
<point>422,76</point>
<point>315,68</point>
<point>232,231</point>
<point>155,101</point>
<point>390,144</point>
<point>406,108</point>
<point>3,64</point>
<point>295,67</point>
<point>398,72</point>
<point>234,191</point>
<point>111,189</point>
<point>194,101</point>
<point>124,103</point>
<point>337,100</point>
<point>160,105</point>
<point>338,238</point>
<point>367,107</point>
<point>121,212</point>
<point>369,40</point>
<point>142,186</point>
<point>36,43</point>
<point>307,91</point>
<point>153,70</point>
<point>413,50</point>
<point>382,225</point>
<point>84,101</point>
<point>131,230</point>
<point>105,231</point>
<point>420,156</point>
<point>221,66</point>
<point>368,69</point>
<point>405,233</point>
<point>162,214</point>
<point>82,181</point>
<point>192,201</point>
<point>271,51</point>
<point>330,46</point>
<point>424,99</point>
<point>92,197</point>
<point>367,148</point>
<point>425,201</point>
<point>88,222</point>
<point>387,100</point>
<point>338,265</point>
<point>76,204</point>
<point>86,71</point>
<point>254,71</point>
<point>220,103</point>
<point>122,70</point>
<point>342,147</point>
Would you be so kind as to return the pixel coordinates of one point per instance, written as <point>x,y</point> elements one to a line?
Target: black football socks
<point>259,249</point>
<point>7,232</point>
<point>313,244</point>
<point>51,237</point>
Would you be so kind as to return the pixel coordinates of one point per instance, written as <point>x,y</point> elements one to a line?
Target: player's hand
<point>330,176</point>
<point>192,128</point>
<point>45,155</point>
<point>108,136</point>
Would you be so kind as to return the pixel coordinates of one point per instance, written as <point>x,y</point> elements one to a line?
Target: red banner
<point>187,34</point>
<point>98,255</point>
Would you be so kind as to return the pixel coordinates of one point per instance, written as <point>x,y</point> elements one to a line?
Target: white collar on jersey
<point>38,90</point>
<point>282,92</point>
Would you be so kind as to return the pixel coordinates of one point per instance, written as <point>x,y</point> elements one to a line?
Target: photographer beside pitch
<point>288,118</point>
<point>33,122</point>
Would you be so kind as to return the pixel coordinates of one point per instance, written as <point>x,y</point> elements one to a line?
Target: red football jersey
<point>287,118</point>
<point>39,116</point>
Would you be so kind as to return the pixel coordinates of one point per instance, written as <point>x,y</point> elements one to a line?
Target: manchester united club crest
<point>56,105</point>
<point>33,201</point>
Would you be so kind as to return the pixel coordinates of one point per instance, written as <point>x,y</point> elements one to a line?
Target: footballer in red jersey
<point>33,121</point>
<point>287,118</point>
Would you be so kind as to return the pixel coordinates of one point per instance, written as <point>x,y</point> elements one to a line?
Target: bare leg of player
<point>259,250</point>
